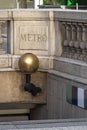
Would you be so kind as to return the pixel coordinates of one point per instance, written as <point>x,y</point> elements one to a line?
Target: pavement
<point>64,124</point>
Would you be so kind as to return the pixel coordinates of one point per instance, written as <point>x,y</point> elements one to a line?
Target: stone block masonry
<point>58,38</point>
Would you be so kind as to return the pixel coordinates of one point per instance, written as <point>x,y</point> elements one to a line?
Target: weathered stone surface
<point>11,88</point>
<point>31,37</point>
<point>5,15</point>
<point>15,60</point>
<point>55,128</point>
<point>44,125</point>
<point>31,14</point>
<point>56,89</point>
<point>40,32</point>
<point>70,66</point>
<point>71,15</point>
<point>5,61</point>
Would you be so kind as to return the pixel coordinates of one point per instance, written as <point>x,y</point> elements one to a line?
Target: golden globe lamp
<point>28,64</point>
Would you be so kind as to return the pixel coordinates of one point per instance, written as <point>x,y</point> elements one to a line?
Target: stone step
<point>70,124</point>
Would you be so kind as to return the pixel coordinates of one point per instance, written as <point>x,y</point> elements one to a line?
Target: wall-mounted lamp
<point>28,64</point>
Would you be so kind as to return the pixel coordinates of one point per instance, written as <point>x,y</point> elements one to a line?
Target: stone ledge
<point>30,14</point>
<point>68,76</point>
<point>69,66</point>
<point>5,61</point>
<point>71,15</point>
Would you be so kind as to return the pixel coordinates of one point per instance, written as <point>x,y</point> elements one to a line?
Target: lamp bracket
<point>30,87</point>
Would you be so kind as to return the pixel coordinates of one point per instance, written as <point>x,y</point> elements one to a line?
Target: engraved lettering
<point>30,37</point>
<point>23,37</point>
<point>34,37</point>
<point>39,38</point>
<point>44,38</point>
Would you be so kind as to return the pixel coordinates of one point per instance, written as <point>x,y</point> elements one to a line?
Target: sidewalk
<point>70,124</point>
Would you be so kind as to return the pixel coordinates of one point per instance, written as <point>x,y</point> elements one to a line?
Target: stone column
<point>72,40</point>
<point>64,43</point>
<point>77,43</point>
<point>67,39</point>
<point>84,42</point>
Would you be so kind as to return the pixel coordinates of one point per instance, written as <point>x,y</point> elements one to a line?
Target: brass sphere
<point>28,63</point>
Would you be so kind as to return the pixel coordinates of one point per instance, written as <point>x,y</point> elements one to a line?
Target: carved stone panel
<point>31,37</point>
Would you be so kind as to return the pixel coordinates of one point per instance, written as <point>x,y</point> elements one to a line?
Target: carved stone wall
<point>58,38</point>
